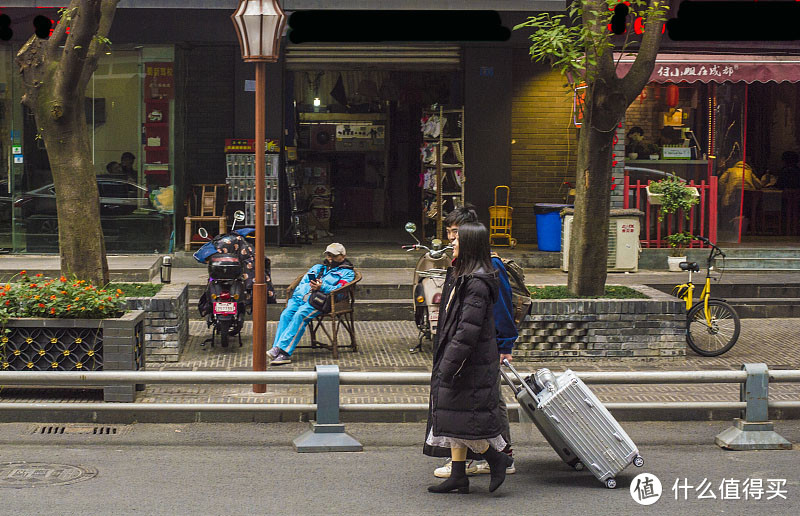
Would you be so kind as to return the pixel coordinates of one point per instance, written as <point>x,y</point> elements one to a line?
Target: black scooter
<point>224,304</point>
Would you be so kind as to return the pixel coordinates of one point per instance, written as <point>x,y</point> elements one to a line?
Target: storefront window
<point>6,157</point>
<point>131,154</point>
<point>734,174</point>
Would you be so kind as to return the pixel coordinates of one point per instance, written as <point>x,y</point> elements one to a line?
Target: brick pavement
<point>384,345</point>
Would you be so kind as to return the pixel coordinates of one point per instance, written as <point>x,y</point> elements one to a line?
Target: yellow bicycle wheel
<point>718,335</point>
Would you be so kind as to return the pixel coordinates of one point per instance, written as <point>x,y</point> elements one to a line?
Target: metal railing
<point>754,396</point>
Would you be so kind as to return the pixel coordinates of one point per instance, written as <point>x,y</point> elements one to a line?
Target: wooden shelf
<point>670,161</point>
<point>438,143</point>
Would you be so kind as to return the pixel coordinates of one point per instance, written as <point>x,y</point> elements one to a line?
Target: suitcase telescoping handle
<point>523,382</point>
<point>510,382</point>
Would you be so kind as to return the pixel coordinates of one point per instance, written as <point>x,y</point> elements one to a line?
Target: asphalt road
<point>242,469</point>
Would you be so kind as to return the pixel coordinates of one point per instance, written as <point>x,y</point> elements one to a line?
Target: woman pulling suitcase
<point>464,388</point>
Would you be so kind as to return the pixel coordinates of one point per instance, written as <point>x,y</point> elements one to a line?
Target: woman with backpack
<point>464,390</point>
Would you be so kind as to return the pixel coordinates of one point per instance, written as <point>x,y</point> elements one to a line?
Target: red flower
<point>63,279</point>
<point>22,272</point>
<point>39,275</point>
<point>8,302</point>
<point>41,305</point>
<point>52,310</point>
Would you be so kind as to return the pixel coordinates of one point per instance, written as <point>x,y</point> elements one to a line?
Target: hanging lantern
<point>259,25</point>
<point>673,95</point>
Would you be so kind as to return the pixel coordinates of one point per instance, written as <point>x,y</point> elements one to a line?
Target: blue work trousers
<point>294,319</point>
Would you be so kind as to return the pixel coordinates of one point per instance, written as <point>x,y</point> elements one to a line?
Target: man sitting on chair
<point>334,272</point>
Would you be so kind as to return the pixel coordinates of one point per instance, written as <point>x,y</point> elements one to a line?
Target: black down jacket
<point>464,391</point>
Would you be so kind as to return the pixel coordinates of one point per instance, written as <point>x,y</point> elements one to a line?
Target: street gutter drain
<point>71,429</point>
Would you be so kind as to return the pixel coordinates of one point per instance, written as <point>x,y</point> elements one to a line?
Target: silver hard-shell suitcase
<point>528,402</point>
<point>580,421</point>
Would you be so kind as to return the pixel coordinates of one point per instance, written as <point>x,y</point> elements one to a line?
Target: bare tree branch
<point>59,36</point>
<point>107,10</point>
<point>82,30</point>
<point>639,74</point>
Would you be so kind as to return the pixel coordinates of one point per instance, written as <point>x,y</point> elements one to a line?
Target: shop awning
<point>718,68</point>
<point>419,57</point>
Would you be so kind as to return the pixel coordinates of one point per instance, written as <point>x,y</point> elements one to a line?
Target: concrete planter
<point>166,322</point>
<point>604,328</point>
<point>34,344</point>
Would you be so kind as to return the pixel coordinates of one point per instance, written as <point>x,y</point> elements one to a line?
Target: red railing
<point>702,217</point>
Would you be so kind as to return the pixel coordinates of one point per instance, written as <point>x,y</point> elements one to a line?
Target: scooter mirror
<point>238,215</point>
<point>411,227</point>
<point>203,233</point>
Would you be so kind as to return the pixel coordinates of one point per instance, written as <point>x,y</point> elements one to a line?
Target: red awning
<point>717,68</point>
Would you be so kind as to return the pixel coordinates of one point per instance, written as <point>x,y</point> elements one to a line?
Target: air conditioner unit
<point>623,243</point>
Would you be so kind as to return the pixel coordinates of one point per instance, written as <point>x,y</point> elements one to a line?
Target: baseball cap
<point>335,248</point>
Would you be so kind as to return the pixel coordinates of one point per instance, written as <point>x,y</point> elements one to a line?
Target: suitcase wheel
<point>579,466</point>
<point>611,483</point>
<point>638,461</point>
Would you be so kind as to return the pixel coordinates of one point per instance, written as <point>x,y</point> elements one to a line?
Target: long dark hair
<point>473,249</point>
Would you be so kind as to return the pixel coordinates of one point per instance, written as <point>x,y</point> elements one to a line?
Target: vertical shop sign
<point>579,99</point>
<point>159,82</point>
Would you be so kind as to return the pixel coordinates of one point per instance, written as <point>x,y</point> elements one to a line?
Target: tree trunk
<point>55,73</point>
<point>80,235</point>
<point>588,247</point>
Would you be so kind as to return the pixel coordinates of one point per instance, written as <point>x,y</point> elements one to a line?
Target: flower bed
<point>69,325</point>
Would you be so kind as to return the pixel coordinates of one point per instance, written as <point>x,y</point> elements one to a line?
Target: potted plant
<point>678,243</point>
<point>652,150</point>
<point>671,194</point>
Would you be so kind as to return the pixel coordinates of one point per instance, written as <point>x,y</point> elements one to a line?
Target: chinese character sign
<point>159,82</point>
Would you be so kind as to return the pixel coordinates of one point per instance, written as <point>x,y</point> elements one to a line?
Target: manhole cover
<point>40,474</point>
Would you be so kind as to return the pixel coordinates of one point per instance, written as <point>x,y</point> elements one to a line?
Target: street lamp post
<point>259,25</point>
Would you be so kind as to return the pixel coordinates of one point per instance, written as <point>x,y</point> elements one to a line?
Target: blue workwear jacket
<point>505,329</point>
<point>334,275</point>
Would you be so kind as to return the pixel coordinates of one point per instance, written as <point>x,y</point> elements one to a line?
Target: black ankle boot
<point>458,480</point>
<point>498,462</point>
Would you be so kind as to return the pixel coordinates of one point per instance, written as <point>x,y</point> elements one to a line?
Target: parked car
<point>5,203</point>
<point>118,196</point>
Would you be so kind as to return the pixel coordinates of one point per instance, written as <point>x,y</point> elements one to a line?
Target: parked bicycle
<point>712,325</point>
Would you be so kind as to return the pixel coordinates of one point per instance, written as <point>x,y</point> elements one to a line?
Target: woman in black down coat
<point>464,399</point>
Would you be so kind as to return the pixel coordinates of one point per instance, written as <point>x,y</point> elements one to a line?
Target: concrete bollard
<point>753,431</point>
<point>327,434</point>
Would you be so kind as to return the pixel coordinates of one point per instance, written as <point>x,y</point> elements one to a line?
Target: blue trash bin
<point>548,225</point>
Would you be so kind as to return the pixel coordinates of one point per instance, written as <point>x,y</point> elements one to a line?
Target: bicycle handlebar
<point>714,247</point>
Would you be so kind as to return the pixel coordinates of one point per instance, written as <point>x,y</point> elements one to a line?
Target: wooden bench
<point>340,316</point>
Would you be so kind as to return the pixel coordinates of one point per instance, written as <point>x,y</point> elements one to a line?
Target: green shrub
<point>561,292</point>
<point>136,289</point>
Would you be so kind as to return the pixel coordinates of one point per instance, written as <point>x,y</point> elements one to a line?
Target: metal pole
<point>259,285</point>
<point>77,378</point>
<point>161,407</point>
